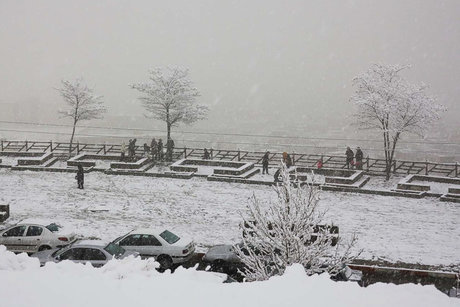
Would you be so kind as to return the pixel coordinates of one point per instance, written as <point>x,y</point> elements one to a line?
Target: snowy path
<point>395,229</point>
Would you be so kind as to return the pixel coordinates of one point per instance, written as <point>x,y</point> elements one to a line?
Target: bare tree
<point>82,103</point>
<point>169,96</point>
<point>387,102</point>
<point>289,230</point>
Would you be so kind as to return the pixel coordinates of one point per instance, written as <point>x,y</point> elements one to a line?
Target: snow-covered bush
<point>289,230</point>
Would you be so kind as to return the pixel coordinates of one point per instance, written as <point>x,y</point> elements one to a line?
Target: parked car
<point>31,238</point>
<point>96,252</point>
<point>223,258</point>
<point>167,248</point>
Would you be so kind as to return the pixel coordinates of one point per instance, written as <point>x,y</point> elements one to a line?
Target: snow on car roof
<point>148,231</point>
<point>97,243</point>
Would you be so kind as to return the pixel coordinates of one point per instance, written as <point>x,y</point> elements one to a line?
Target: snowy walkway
<point>394,229</point>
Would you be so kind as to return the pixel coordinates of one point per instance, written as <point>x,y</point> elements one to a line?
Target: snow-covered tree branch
<point>82,103</point>
<point>387,102</point>
<point>169,96</point>
<point>289,230</point>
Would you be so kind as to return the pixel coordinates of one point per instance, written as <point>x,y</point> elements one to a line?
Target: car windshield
<point>114,249</point>
<point>169,237</point>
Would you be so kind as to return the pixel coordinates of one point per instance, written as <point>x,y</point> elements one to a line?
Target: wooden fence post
<point>293,158</point>
<point>239,155</point>
<point>426,167</point>
<point>105,150</point>
<point>51,146</point>
<point>456,169</point>
<point>211,153</point>
<point>185,152</point>
<point>367,163</point>
<point>27,144</point>
<point>2,144</point>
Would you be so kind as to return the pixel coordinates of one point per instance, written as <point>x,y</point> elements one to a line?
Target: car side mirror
<point>58,258</point>
<point>4,234</point>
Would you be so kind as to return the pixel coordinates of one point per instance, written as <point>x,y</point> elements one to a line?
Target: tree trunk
<point>71,138</point>
<point>168,131</point>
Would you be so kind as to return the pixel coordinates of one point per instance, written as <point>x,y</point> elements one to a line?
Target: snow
<point>389,228</point>
<point>133,281</point>
<point>437,187</point>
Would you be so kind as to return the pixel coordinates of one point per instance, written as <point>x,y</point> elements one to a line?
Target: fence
<point>371,165</point>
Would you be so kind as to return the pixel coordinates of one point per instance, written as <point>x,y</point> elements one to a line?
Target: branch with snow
<point>290,230</point>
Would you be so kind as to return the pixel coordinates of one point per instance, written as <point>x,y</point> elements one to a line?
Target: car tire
<point>165,262</point>
<point>218,266</point>
<point>43,248</point>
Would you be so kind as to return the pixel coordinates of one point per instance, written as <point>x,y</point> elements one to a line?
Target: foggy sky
<point>260,66</point>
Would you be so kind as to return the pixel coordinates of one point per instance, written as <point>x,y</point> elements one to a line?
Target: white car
<point>30,238</point>
<point>165,246</point>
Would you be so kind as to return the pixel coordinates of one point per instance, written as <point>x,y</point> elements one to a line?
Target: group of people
<point>266,158</point>
<point>155,151</point>
<point>354,159</point>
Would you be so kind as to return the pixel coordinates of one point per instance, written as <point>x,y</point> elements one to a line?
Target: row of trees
<point>385,101</point>
<point>168,96</point>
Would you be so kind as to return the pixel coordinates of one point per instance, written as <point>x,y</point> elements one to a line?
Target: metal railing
<point>371,165</point>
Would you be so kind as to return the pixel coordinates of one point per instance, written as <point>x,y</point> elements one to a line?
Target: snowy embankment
<point>133,281</point>
<point>390,228</point>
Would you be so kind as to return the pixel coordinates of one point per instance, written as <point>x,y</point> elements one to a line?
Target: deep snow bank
<point>135,282</point>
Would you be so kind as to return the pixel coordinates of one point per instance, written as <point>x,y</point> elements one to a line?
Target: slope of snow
<point>394,229</point>
<point>132,281</point>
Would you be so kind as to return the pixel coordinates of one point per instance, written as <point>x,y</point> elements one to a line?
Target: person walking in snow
<point>160,150</point>
<point>349,157</point>
<point>265,159</point>
<point>359,158</point>
<point>153,148</point>
<point>80,176</point>
<point>169,149</point>
<point>206,154</point>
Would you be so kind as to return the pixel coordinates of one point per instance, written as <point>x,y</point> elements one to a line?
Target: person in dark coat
<point>265,159</point>
<point>288,161</point>
<point>349,156</point>
<point>80,176</point>
<point>277,175</point>
<point>154,148</point>
<point>206,154</point>
<point>359,158</point>
<point>160,150</point>
<point>169,149</point>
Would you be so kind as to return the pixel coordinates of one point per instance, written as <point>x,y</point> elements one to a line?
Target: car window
<point>114,250</point>
<point>15,232</point>
<point>34,231</point>
<point>131,240</point>
<point>169,237</point>
<point>149,240</point>
<point>73,254</point>
<point>94,254</point>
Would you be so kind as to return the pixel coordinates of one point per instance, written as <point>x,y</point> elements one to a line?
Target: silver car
<point>95,252</point>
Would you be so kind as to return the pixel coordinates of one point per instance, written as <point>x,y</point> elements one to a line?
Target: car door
<point>13,238</point>
<point>75,254</point>
<point>151,246</point>
<point>33,238</point>
<point>136,243</point>
<point>95,256</point>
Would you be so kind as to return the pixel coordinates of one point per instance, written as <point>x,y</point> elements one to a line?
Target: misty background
<point>280,70</point>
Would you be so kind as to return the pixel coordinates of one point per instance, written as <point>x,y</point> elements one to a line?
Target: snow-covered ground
<point>394,229</point>
<point>135,282</point>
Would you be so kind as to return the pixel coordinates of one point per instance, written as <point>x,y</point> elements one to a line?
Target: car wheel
<point>165,262</point>
<point>43,248</point>
<point>218,265</point>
